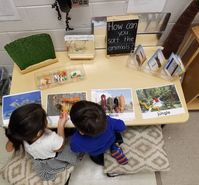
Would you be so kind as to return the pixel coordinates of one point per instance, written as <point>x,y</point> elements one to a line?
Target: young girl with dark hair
<point>28,129</point>
<point>96,132</point>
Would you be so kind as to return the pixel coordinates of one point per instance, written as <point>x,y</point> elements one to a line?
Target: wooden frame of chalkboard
<point>121,34</point>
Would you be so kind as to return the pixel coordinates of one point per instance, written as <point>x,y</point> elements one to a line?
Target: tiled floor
<point>86,173</point>
<point>89,173</point>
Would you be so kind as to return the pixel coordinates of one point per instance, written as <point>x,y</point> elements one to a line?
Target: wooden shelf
<point>189,53</point>
<point>193,105</point>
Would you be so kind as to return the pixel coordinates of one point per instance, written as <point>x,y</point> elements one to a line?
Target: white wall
<point>37,16</point>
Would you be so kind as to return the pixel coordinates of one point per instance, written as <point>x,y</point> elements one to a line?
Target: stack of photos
<point>12,102</point>
<point>159,101</point>
<point>117,103</point>
<point>62,102</point>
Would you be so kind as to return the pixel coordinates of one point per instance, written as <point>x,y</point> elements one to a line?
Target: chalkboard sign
<point>121,34</point>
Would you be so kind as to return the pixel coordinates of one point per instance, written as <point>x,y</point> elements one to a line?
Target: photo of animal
<point>158,98</point>
<point>58,103</point>
<point>115,102</point>
<point>13,101</point>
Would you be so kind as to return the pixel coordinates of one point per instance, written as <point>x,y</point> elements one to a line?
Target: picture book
<point>159,101</point>
<point>61,102</point>
<point>117,103</point>
<point>13,101</point>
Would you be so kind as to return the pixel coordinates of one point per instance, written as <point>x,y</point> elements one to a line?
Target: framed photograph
<point>159,101</point>
<point>80,46</point>
<point>61,102</point>
<point>117,103</point>
<point>156,61</point>
<point>139,55</point>
<point>11,102</point>
<point>174,66</point>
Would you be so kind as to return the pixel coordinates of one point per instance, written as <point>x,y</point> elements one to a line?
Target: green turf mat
<point>31,50</point>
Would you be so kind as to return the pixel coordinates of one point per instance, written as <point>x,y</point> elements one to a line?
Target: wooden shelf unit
<point>189,53</point>
<point>194,104</point>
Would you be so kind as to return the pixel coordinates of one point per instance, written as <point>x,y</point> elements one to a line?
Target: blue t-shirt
<point>95,145</point>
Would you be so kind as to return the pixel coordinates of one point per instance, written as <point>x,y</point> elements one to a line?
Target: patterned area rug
<point>144,147</point>
<point>19,171</point>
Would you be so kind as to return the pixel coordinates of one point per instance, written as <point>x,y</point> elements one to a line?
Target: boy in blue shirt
<point>95,132</point>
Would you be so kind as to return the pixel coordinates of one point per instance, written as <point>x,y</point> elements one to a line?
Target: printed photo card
<point>139,55</point>
<point>117,103</point>
<point>174,66</point>
<point>156,62</point>
<point>159,101</point>
<point>13,101</point>
<point>61,102</point>
<point>137,58</point>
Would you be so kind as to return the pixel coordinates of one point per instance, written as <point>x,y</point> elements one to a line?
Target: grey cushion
<point>19,171</point>
<point>144,147</point>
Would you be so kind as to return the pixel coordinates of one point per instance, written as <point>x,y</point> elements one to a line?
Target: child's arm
<point>60,129</point>
<point>9,146</point>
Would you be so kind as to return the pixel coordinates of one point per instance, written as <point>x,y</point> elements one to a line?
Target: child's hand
<point>63,118</point>
<point>9,146</point>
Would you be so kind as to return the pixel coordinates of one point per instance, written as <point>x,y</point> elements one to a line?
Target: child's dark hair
<point>25,123</point>
<point>88,117</point>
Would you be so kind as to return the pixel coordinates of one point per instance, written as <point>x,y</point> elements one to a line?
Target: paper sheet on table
<point>139,6</point>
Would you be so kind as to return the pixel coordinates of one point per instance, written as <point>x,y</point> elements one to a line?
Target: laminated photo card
<point>137,58</point>
<point>174,66</point>
<point>61,102</point>
<point>117,103</point>
<point>13,101</point>
<point>156,62</point>
<point>159,101</point>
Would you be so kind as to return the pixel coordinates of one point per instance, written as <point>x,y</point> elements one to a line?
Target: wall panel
<point>37,16</point>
